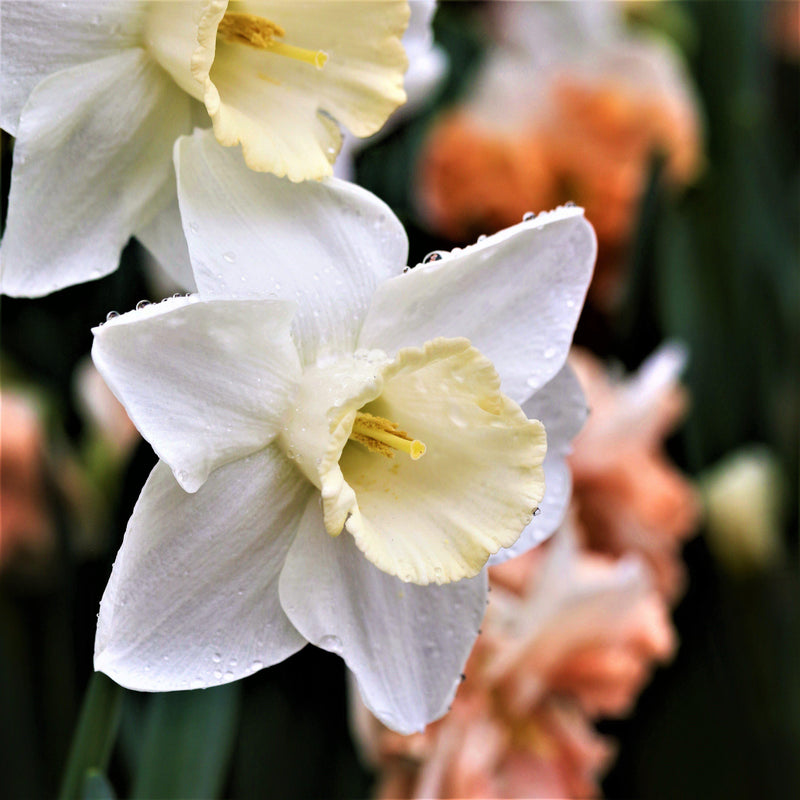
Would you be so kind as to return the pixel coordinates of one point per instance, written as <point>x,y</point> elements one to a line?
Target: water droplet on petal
<point>435,255</point>
<point>550,352</point>
<point>569,204</point>
<point>483,237</point>
<point>142,304</point>
<point>193,227</point>
<point>528,216</point>
<point>111,315</point>
<point>218,674</point>
<point>257,665</point>
<point>537,511</point>
<point>216,658</point>
<point>230,257</point>
<point>331,643</point>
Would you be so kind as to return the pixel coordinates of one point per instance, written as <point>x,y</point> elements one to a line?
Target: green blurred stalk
<point>94,736</point>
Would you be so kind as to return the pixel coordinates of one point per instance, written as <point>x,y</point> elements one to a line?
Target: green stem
<point>95,734</point>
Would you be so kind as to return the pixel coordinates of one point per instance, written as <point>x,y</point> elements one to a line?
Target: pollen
<point>262,34</point>
<point>379,435</point>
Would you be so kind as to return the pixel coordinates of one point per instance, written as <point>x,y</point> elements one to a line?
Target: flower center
<point>379,435</point>
<point>260,33</point>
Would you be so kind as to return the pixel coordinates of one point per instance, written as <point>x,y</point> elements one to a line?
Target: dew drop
<point>456,416</point>
<point>528,216</point>
<point>142,304</point>
<point>331,643</point>
<point>550,352</point>
<point>111,315</point>
<point>569,204</point>
<point>435,255</point>
<point>257,665</point>
<point>230,257</point>
<point>537,511</point>
<point>216,658</point>
<point>233,662</point>
<point>218,674</point>
<point>483,237</point>
<point>193,227</point>
<point>198,683</point>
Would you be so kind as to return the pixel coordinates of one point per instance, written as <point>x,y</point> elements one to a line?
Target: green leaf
<point>95,734</point>
<point>96,786</point>
<point>188,740</point>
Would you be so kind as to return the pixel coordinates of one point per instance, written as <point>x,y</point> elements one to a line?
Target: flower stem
<point>94,735</point>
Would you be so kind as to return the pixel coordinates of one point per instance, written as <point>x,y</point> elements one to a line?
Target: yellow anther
<point>262,34</point>
<point>382,436</point>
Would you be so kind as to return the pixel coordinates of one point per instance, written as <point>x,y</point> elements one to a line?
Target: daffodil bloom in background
<point>337,461</point>
<point>97,93</point>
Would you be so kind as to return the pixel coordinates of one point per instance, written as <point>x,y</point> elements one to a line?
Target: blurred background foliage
<point>716,267</point>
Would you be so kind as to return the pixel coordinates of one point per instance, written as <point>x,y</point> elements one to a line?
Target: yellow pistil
<point>262,34</point>
<point>379,435</point>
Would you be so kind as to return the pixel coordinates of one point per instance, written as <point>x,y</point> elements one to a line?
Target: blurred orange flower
<point>566,109</point>
<point>567,636</point>
<point>627,494</point>
<point>25,527</point>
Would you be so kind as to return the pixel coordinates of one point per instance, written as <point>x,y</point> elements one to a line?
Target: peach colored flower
<point>628,496</point>
<point>25,528</point>
<point>567,636</point>
<point>568,107</point>
<point>474,179</point>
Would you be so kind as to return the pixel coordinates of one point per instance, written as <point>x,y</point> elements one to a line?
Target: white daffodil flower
<point>337,461</point>
<point>96,93</point>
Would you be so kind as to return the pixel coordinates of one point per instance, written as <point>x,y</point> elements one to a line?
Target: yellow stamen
<point>262,34</point>
<point>382,436</point>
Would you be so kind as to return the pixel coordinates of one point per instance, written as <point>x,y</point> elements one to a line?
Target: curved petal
<point>324,245</point>
<point>204,382</point>
<point>38,39</point>
<point>362,80</point>
<point>92,152</point>
<point>406,644</point>
<point>561,406</point>
<point>193,596</point>
<point>516,295</point>
<point>163,236</point>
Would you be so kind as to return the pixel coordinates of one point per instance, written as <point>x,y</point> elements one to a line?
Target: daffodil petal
<point>163,237</point>
<point>406,644</point>
<point>193,596</point>
<point>37,40</point>
<point>324,245</point>
<point>279,126</point>
<point>516,295</point>
<point>561,406</point>
<point>204,382</point>
<point>92,151</point>
<point>438,519</point>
